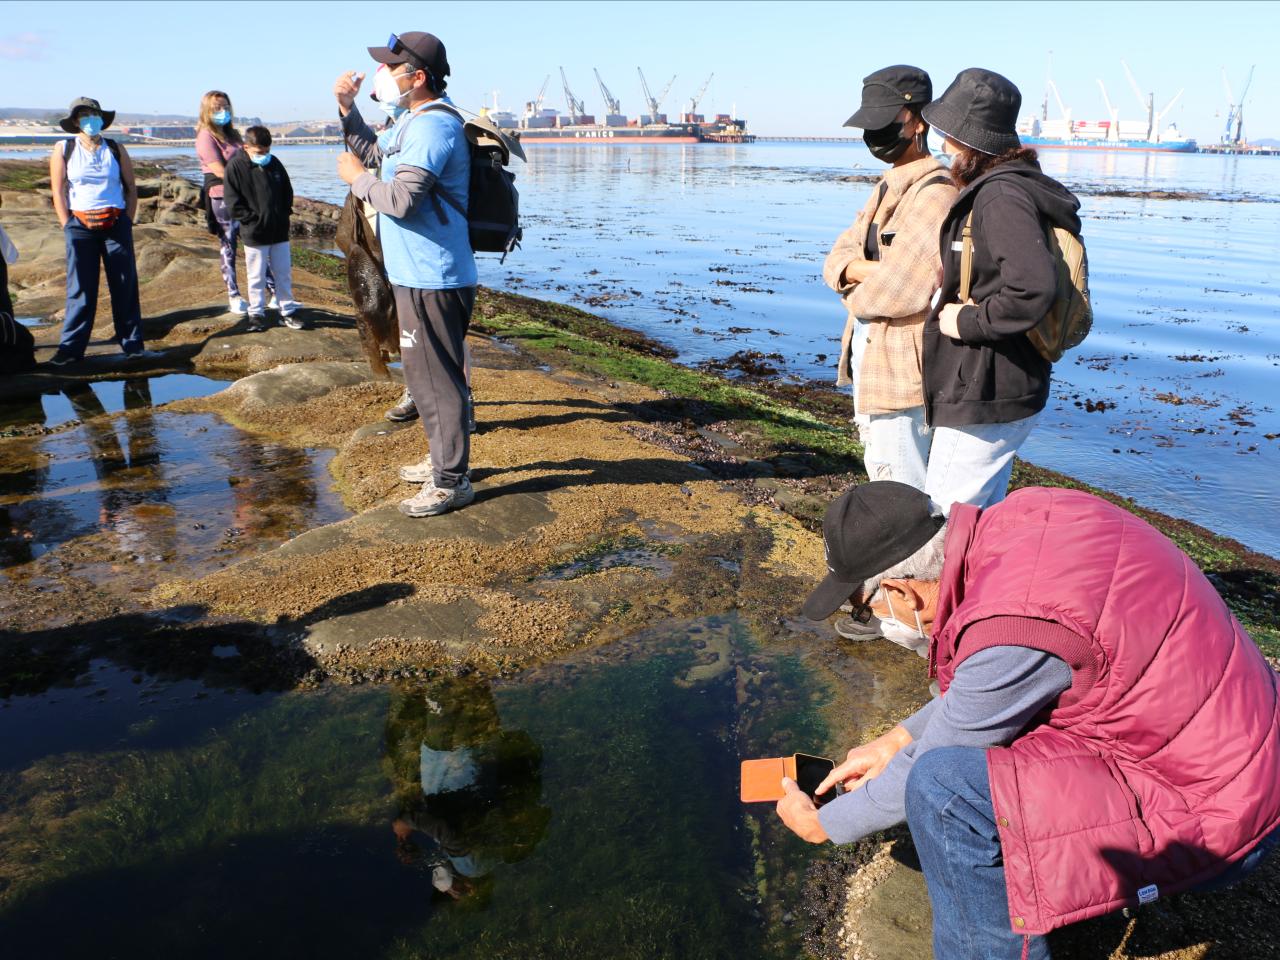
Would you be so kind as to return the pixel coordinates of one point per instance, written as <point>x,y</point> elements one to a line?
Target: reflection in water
<point>471,789</point>
<point>585,809</point>
<point>118,467</point>
<point>54,407</point>
<point>145,488</point>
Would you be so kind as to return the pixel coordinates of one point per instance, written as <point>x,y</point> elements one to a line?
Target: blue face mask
<point>261,160</point>
<point>222,117</point>
<point>91,126</point>
<point>393,110</point>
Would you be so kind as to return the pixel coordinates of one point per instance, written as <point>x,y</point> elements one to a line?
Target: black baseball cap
<point>886,92</point>
<point>421,50</point>
<point>868,529</point>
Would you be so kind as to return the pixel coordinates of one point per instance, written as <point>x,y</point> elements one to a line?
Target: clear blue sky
<point>791,68</point>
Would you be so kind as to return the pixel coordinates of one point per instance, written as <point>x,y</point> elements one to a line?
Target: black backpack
<point>17,346</point>
<point>69,147</point>
<point>493,208</point>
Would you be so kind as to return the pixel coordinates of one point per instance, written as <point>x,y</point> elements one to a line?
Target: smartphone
<point>762,779</point>
<point>810,772</point>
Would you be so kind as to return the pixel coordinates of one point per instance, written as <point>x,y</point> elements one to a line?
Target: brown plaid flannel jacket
<point>895,299</point>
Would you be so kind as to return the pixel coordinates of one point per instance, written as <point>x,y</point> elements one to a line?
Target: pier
<point>1239,149</point>
<point>760,139</point>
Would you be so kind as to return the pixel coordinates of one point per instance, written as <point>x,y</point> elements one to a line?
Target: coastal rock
<point>293,383</point>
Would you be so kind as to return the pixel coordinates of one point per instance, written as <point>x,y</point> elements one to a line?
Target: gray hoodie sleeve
<point>396,197</point>
<point>360,139</point>
<point>992,697</point>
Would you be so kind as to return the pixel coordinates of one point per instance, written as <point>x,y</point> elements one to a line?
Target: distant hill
<point>1268,142</point>
<point>53,114</point>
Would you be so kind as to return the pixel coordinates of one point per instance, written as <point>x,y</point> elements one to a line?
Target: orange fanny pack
<point>103,219</point>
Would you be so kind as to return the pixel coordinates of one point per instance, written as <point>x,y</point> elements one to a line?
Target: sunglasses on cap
<point>395,45</point>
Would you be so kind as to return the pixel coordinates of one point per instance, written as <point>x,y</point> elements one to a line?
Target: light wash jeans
<point>895,445</point>
<point>273,259</point>
<point>972,464</point>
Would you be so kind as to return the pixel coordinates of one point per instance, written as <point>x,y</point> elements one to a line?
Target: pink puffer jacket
<point>1161,764</point>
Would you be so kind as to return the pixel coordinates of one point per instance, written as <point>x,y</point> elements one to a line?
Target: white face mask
<point>387,90</point>
<point>891,628</point>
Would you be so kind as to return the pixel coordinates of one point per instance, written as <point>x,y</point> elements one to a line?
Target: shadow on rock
<point>176,644</point>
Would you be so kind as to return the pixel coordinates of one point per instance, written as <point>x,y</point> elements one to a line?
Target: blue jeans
<point>972,464</point>
<point>114,250</point>
<point>953,825</point>
<point>954,828</point>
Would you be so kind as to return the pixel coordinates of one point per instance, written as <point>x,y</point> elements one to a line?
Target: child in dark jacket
<point>258,193</point>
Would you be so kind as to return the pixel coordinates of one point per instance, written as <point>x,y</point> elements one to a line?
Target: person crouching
<point>259,194</point>
<point>1105,732</point>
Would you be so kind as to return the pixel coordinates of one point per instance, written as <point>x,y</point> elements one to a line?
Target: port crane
<point>1113,131</point>
<point>536,103</point>
<point>654,102</point>
<point>1235,113</point>
<point>1066,114</point>
<point>697,97</point>
<point>1149,104</point>
<point>576,107</point>
<point>613,104</point>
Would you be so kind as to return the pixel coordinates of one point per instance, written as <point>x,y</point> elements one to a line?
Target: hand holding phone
<point>762,779</point>
<point>799,814</point>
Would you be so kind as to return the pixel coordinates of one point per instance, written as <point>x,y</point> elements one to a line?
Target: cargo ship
<point>1111,134</point>
<point>539,125</point>
<point>1100,135</point>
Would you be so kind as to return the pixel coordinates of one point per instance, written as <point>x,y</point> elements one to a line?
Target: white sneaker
<point>432,500</point>
<point>273,303</point>
<point>237,306</point>
<point>421,472</point>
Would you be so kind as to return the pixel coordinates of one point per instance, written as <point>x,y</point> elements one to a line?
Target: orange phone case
<point>762,779</point>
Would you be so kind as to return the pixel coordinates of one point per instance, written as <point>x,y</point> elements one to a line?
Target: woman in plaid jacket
<point>887,267</point>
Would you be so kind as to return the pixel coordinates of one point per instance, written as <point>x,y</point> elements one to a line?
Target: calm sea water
<point>716,249</point>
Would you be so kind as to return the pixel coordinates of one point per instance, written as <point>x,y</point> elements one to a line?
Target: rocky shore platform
<point>615,488</point>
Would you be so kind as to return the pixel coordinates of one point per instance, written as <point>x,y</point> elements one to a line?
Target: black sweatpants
<point>433,330</point>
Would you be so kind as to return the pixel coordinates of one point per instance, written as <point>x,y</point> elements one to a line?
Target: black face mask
<point>888,143</point>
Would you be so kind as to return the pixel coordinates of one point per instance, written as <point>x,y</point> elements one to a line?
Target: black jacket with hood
<point>261,198</point>
<point>993,374</point>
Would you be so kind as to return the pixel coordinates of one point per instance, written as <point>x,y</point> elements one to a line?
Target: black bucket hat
<point>868,529</point>
<point>980,110</point>
<point>886,92</point>
<point>69,124</point>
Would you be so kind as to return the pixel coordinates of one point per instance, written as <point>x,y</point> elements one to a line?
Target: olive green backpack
<point>1070,317</point>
